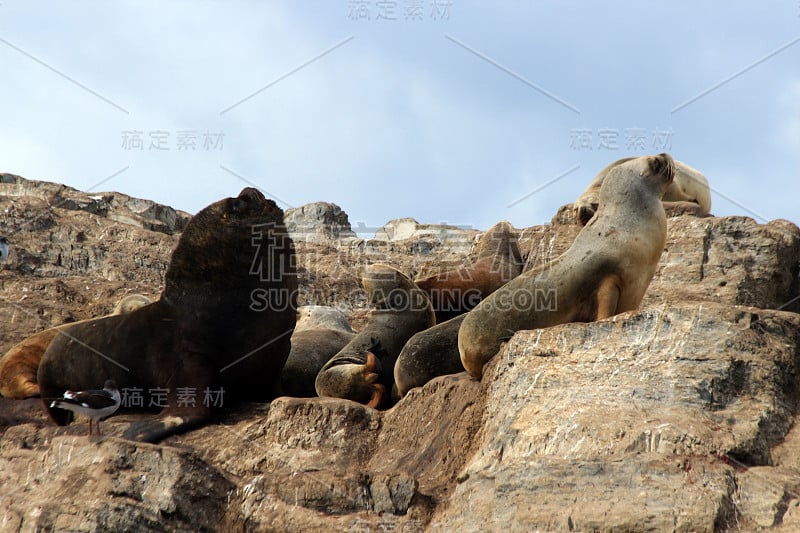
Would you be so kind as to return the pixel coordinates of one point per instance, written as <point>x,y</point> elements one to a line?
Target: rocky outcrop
<point>317,222</point>
<point>645,421</point>
<point>408,228</point>
<point>678,417</point>
<point>113,205</point>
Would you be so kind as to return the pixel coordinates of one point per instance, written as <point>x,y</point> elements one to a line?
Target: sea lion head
<point>499,241</point>
<point>389,289</point>
<point>130,303</point>
<point>638,180</point>
<point>321,317</point>
<point>222,242</point>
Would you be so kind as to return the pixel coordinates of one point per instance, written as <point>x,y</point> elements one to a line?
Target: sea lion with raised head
<point>606,271</point>
<point>20,364</point>
<point>498,261</point>
<point>219,332</point>
<point>363,371</point>
<point>689,192</point>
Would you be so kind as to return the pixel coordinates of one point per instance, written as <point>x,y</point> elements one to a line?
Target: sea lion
<point>428,354</point>
<point>688,193</point>
<point>321,317</point>
<point>606,271</point>
<point>320,333</point>
<point>498,261</point>
<point>219,332</point>
<point>363,371</point>
<point>19,365</point>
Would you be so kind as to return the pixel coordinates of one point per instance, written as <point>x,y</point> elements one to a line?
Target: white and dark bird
<point>3,249</point>
<point>94,404</point>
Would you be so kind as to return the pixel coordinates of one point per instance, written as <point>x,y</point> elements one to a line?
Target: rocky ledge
<point>677,417</point>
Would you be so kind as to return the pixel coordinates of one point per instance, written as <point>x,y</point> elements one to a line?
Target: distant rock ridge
<point>112,205</point>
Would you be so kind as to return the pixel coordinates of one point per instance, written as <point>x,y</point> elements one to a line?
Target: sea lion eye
<point>237,205</point>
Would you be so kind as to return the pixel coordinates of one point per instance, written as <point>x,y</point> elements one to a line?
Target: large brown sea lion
<point>320,333</point>
<point>689,192</point>
<point>363,370</point>
<point>606,271</point>
<point>498,261</point>
<point>20,364</point>
<point>219,332</point>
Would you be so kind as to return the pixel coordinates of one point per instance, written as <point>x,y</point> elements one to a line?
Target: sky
<point>447,111</point>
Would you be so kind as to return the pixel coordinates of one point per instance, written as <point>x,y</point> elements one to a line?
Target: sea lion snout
<point>663,165</point>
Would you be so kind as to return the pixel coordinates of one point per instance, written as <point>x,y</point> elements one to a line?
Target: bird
<point>3,249</point>
<point>94,404</point>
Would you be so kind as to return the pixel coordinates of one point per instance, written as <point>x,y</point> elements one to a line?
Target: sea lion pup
<point>18,367</point>
<point>427,355</point>
<point>688,192</point>
<point>320,333</point>
<point>606,271</point>
<point>363,371</point>
<point>219,332</point>
<point>457,291</point>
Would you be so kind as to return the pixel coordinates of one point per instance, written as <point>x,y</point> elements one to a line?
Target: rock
<point>121,207</point>
<point>111,485</point>
<point>585,423</point>
<point>317,222</point>
<point>765,494</point>
<point>407,228</point>
<point>728,259</point>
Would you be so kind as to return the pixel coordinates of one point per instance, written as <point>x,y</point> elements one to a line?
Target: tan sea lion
<point>427,355</point>
<point>320,333</point>
<point>219,332</point>
<point>498,261</point>
<point>19,365</point>
<point>606,271</point>
<point>688,193</point>
<point>321,317</point>
<point>363,371</point>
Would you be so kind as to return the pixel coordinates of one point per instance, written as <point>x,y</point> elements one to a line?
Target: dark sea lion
<point>320,333</point>
<point>606,271</point>
<point>221,325</point>
<point>688,193</point>
<point>498,261</point>
<point>20,364</point>
<point>427,355</point>
<point>363,371</point>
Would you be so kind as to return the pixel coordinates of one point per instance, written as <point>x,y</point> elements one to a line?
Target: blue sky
<point>446,111</point>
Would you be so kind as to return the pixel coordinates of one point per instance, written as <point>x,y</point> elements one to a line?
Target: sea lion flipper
<point>355,381</point>
<point>185,408</point>
<point>607,298</point>
<point>168,423</point>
